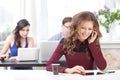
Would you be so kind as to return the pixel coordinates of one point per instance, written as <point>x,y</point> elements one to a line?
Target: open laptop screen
<point>28,54</point>
<point>46,50</point>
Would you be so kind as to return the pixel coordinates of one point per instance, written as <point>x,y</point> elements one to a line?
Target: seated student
<point>65,29</point>
<point>81,48</point>
<point>17,40</point>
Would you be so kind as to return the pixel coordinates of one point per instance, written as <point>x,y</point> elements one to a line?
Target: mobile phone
<point>2,59</point>
<point>92,34</point>
<point>90,73</point>
<point>107,71</point>
<point>100,72</point>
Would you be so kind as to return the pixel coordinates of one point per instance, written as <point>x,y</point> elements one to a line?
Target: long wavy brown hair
<point>69,42</point>
<point>20,25</point>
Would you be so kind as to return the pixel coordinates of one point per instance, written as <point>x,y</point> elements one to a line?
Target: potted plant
<point>107,17</point>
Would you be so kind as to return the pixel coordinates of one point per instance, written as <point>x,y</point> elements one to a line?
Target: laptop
<point>28,54</point>
<point>46,50</point>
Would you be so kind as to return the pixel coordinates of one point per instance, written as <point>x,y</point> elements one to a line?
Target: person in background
<point>65,29</point>
<point>81,48</point>
<point>19,39</point>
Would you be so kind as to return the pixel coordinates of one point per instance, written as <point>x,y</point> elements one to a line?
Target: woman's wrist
<point>67,70</point>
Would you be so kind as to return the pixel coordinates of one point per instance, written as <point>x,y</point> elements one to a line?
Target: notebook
<point>46,50</point>
<point>28,54</point>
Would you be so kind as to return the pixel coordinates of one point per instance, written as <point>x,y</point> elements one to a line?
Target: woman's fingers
<point>75,69</point>
<point>78,69</point>
<point>2,57</point>
<point>13,58</point>
<point>81,70</point>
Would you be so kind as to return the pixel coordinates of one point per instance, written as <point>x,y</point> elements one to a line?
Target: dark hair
<point>66,19</point>
<point>21,24</point>
<point>76,21</point>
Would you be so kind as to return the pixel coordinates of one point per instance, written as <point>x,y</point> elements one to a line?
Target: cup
<point>55,69</point>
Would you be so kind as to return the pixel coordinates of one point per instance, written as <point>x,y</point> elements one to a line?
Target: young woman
<point>19,39</point>
<point>81,48</point>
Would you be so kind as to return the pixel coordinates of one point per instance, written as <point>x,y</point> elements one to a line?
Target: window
<point>58,9</point>
<point>9,14</point>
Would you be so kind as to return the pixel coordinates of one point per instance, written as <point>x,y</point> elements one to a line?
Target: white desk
<point>45,75</point>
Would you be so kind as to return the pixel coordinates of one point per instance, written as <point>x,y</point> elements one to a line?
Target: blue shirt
<point>14,52</point>
<point>56,37</point>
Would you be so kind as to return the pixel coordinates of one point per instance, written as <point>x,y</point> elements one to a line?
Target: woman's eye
<point>82,28</point>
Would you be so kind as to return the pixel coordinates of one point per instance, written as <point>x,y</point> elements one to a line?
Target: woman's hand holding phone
<point>92,37</point>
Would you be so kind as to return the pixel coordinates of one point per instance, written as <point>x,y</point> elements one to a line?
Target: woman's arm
<point>76,69</point>
<point>98,56</point>
<point>6,46</point>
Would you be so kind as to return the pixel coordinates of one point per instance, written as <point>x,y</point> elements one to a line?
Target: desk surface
<point>7,63</point>
<point>46,75</point>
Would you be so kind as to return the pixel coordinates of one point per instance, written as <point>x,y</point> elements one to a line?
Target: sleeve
<point>55,37</point>
<point>57,54</point>
<point>98,56</point>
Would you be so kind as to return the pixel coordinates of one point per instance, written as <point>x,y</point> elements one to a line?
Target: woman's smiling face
<point>84,30</point>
